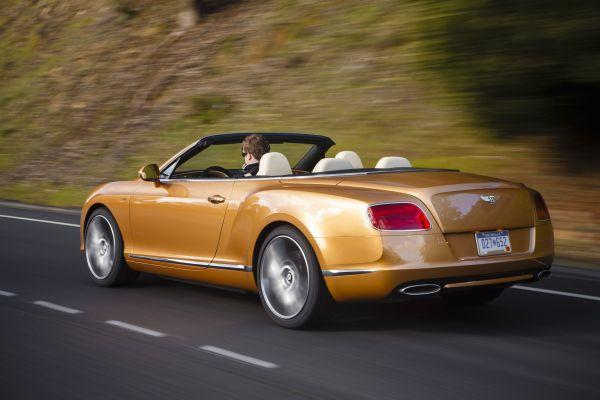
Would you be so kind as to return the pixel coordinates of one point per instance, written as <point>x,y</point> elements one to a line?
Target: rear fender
<point>336,225</point>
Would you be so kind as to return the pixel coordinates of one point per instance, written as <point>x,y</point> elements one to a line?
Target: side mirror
<point>150,173</point>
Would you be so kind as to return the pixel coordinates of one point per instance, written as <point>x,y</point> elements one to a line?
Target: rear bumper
<point>382,284</point>
<point>407,260</point>
<point>461,283</point>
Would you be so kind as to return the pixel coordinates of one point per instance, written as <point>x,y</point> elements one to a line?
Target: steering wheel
<point>218,172</point>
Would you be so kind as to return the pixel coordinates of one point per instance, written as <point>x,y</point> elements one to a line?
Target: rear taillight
<point>398,217</point>
<point>541,209</point>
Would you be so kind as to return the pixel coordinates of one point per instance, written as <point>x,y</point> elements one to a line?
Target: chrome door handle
<point>216,199</point>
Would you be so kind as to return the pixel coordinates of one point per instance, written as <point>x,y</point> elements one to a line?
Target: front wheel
<point>472,297</point>
<point>104,251</point>
<point>290,284</point>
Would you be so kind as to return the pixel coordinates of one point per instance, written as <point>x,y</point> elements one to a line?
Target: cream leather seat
<point>274,164</point>
<point>393,162</point>
<point>331,164</point>
<point>351,157</point>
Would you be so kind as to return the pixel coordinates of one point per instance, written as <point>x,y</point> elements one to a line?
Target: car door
<point>179,219</point>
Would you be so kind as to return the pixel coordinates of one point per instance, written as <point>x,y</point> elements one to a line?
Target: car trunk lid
<point>460,202</point>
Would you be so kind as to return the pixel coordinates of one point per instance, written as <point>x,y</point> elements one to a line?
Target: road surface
<point>61,337</point>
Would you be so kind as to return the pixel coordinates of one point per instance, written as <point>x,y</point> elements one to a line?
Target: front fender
<point>115,197</point>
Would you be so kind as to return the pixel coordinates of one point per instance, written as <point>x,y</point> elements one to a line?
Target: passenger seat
<point>351,157</point>
<point>393,162</point>
<point>331,164</point>
<point>274,164</point>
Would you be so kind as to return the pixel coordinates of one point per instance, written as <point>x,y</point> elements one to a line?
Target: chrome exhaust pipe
<point>544,274</point>
<point>420,290</point>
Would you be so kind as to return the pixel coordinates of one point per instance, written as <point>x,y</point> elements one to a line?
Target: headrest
<point>393,162</point>
<point>274,164</point>
<point>331,164</point>
<point>351,157</point>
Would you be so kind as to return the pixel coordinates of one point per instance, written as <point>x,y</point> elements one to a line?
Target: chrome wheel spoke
<point>284,277</point>
<point>100,247</point>
<point>94,233</point>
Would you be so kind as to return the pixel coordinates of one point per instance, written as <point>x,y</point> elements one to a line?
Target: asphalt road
<point>193,342</point>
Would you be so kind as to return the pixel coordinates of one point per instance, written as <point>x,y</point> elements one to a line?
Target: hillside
<point>91,91</point>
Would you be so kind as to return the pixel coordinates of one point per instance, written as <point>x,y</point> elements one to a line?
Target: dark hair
<point>256,145</point>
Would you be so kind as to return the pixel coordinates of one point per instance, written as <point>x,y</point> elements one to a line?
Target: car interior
<point>221,159</point>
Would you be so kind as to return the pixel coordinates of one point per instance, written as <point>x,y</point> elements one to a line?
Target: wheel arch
<point>259,242</point>
<point>270,227</point>
<point>85,217</point>
<point>119,214</point>
<point>89,212</point>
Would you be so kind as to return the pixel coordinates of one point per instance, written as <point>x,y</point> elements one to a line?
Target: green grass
<point>47,194</point>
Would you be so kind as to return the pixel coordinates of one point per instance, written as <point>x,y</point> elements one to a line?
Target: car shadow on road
<point>514,313</point>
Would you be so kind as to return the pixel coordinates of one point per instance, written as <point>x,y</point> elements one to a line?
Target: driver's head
<point>254,147</point>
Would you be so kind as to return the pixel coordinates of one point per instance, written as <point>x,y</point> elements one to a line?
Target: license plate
<point>491,243</point>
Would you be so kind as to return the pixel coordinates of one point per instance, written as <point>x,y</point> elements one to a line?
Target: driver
<point>254,147</point>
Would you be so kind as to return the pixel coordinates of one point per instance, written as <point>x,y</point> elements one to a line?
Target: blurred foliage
<point>129,8</point>
<point>210,107</point>
<point>204,7</point>
<point>92,90</point>
<point>526,67</point>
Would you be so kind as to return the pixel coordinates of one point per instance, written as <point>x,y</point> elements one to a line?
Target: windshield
<point>228,156</point>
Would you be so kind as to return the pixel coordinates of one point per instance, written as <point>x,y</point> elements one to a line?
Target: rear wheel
<point>290,284</point>
<point>473,297</point>
<point>104,251</point>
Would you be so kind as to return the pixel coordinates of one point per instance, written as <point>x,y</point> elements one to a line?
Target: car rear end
<point>442,232</point>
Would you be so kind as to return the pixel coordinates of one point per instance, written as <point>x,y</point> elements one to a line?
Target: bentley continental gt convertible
<point>309,230</point>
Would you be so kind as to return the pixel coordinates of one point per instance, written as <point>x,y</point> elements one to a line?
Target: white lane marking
<point>45,221</point>
<point>7,294</point>
<point>239,357</point>
<point>567,294</point>
<point>57,307</point>
<point>135,328</point>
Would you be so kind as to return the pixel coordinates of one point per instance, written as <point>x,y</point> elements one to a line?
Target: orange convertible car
<point>309,230</point>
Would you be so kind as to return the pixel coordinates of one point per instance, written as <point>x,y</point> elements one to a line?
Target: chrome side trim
<point>343,272</point>
<point>235,267</point>
<point>231,267</point>
<point>170,260</point>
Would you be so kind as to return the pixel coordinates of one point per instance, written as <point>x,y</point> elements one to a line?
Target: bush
<point>209,108</point>
<point>128,8</point>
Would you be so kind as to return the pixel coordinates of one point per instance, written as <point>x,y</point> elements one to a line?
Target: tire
<point>290,284</point>
<point>472,297</point>
<point>104,251</point>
